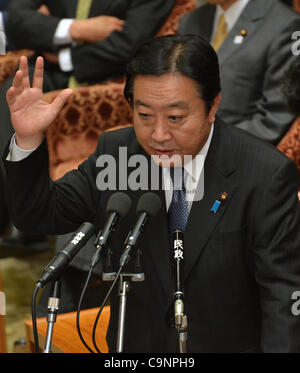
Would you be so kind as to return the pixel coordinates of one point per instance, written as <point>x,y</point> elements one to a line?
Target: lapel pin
<point>240,38</point>
<point>223,198</point>
<point>243,33</point>
<point>215,206</point>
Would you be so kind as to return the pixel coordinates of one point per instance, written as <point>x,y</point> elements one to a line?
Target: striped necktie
<point>178,212</point>
<point>82,12</point>
<point>221,33</point>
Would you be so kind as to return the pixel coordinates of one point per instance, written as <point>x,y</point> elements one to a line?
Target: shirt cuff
<point>62,34</point>
<point>65,59</point>
<point>2,28</point>
<point>17,154</point>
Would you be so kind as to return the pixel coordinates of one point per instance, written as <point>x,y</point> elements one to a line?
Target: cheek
<point>143,133</point>
<point>191,138</point>
<point>187,138</point>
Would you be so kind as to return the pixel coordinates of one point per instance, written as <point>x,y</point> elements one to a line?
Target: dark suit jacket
<point>252,72</point>
<point>242,264</point>
<point>3,4</point>
<point>93,62</point>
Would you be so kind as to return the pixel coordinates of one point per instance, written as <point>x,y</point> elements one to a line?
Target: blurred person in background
<point>254,45</point>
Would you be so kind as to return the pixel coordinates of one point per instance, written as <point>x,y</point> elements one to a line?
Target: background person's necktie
<point>82,12</point>
<point>221,33</point>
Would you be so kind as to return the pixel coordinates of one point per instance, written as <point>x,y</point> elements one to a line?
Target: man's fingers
<point>38,76</point>
<point>24,69</point>
<point>18,82</point>
<point>60,100</point>
<point>11,96</point>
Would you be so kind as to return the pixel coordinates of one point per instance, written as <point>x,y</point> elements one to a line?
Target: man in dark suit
<point>84,51</point>
<point>253,58</point>
<point>241,224</point>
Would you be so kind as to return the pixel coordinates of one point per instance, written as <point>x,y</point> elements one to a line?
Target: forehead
<point>165,90</point>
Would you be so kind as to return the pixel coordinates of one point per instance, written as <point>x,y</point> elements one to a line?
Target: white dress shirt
<point>1,22</point>
<point>62,37</point>
<point>193,175</point>
<point>231,15</point>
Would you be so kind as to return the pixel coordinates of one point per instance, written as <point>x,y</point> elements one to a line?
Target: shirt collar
<point>232,13</point>
<point>195,172</point>
<point>191,172</point>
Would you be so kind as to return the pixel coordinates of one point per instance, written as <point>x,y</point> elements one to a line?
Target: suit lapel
<point>219,165</point>
<point>251,15</point>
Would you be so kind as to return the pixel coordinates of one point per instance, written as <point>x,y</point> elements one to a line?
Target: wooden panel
<point>65,336</point>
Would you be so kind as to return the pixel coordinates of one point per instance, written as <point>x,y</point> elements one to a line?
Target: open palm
<point>30,114</point>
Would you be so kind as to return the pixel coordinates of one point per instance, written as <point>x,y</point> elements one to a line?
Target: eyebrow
<point>177,104</point>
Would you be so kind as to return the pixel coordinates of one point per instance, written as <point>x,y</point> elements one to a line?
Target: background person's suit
<point>242,264</point>
<point>92,62</point>
<point>252,72</point>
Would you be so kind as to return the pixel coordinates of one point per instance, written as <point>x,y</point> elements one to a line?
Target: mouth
<point>164,152</point>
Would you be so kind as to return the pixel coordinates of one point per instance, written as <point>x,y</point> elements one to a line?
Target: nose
<point>161,132</point>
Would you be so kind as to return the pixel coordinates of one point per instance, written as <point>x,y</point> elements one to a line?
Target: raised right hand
<point>30,114</point>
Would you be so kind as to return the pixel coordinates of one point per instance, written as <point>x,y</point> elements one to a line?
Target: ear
<point>214,108</point>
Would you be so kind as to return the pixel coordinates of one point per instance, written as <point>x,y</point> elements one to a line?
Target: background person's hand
<point>30,114</point>
<point>95,29</point>
<point>44,10</point>
<point>51,57</point>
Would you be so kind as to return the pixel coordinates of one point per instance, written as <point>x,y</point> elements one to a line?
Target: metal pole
<point>182,336</point>
<point>53,306</point>
<point>51,320</point>
<point>124,286</point>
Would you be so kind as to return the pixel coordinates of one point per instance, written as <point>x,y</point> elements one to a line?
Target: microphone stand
<point>181,324</point>
<point>53,306</point>
<point>179,316</point>
<point>182,335</point>
<point>124,287</point>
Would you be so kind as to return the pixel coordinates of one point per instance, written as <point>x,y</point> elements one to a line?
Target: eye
<point>144,115</point>
<point>175,118</point>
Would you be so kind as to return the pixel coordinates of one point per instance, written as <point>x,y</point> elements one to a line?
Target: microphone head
<point>119,202</point>
<point>149,203</point>
<point>78,239</point>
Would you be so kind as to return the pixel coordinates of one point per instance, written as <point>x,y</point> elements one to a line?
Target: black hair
<point>291,87</point>
<point>189,55</point>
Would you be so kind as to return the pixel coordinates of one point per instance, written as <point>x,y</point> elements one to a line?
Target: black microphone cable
<point>101,309</point>
<point>148,205</point>
<point>117,208</point>
<point>79,308</point>
<point>33,317</point>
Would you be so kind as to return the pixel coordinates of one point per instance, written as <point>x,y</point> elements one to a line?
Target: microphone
<point>149,204</point>
<point>62,258</point>
<point>53,307</point>
<point>117,208</point>
<point>178,241</point>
